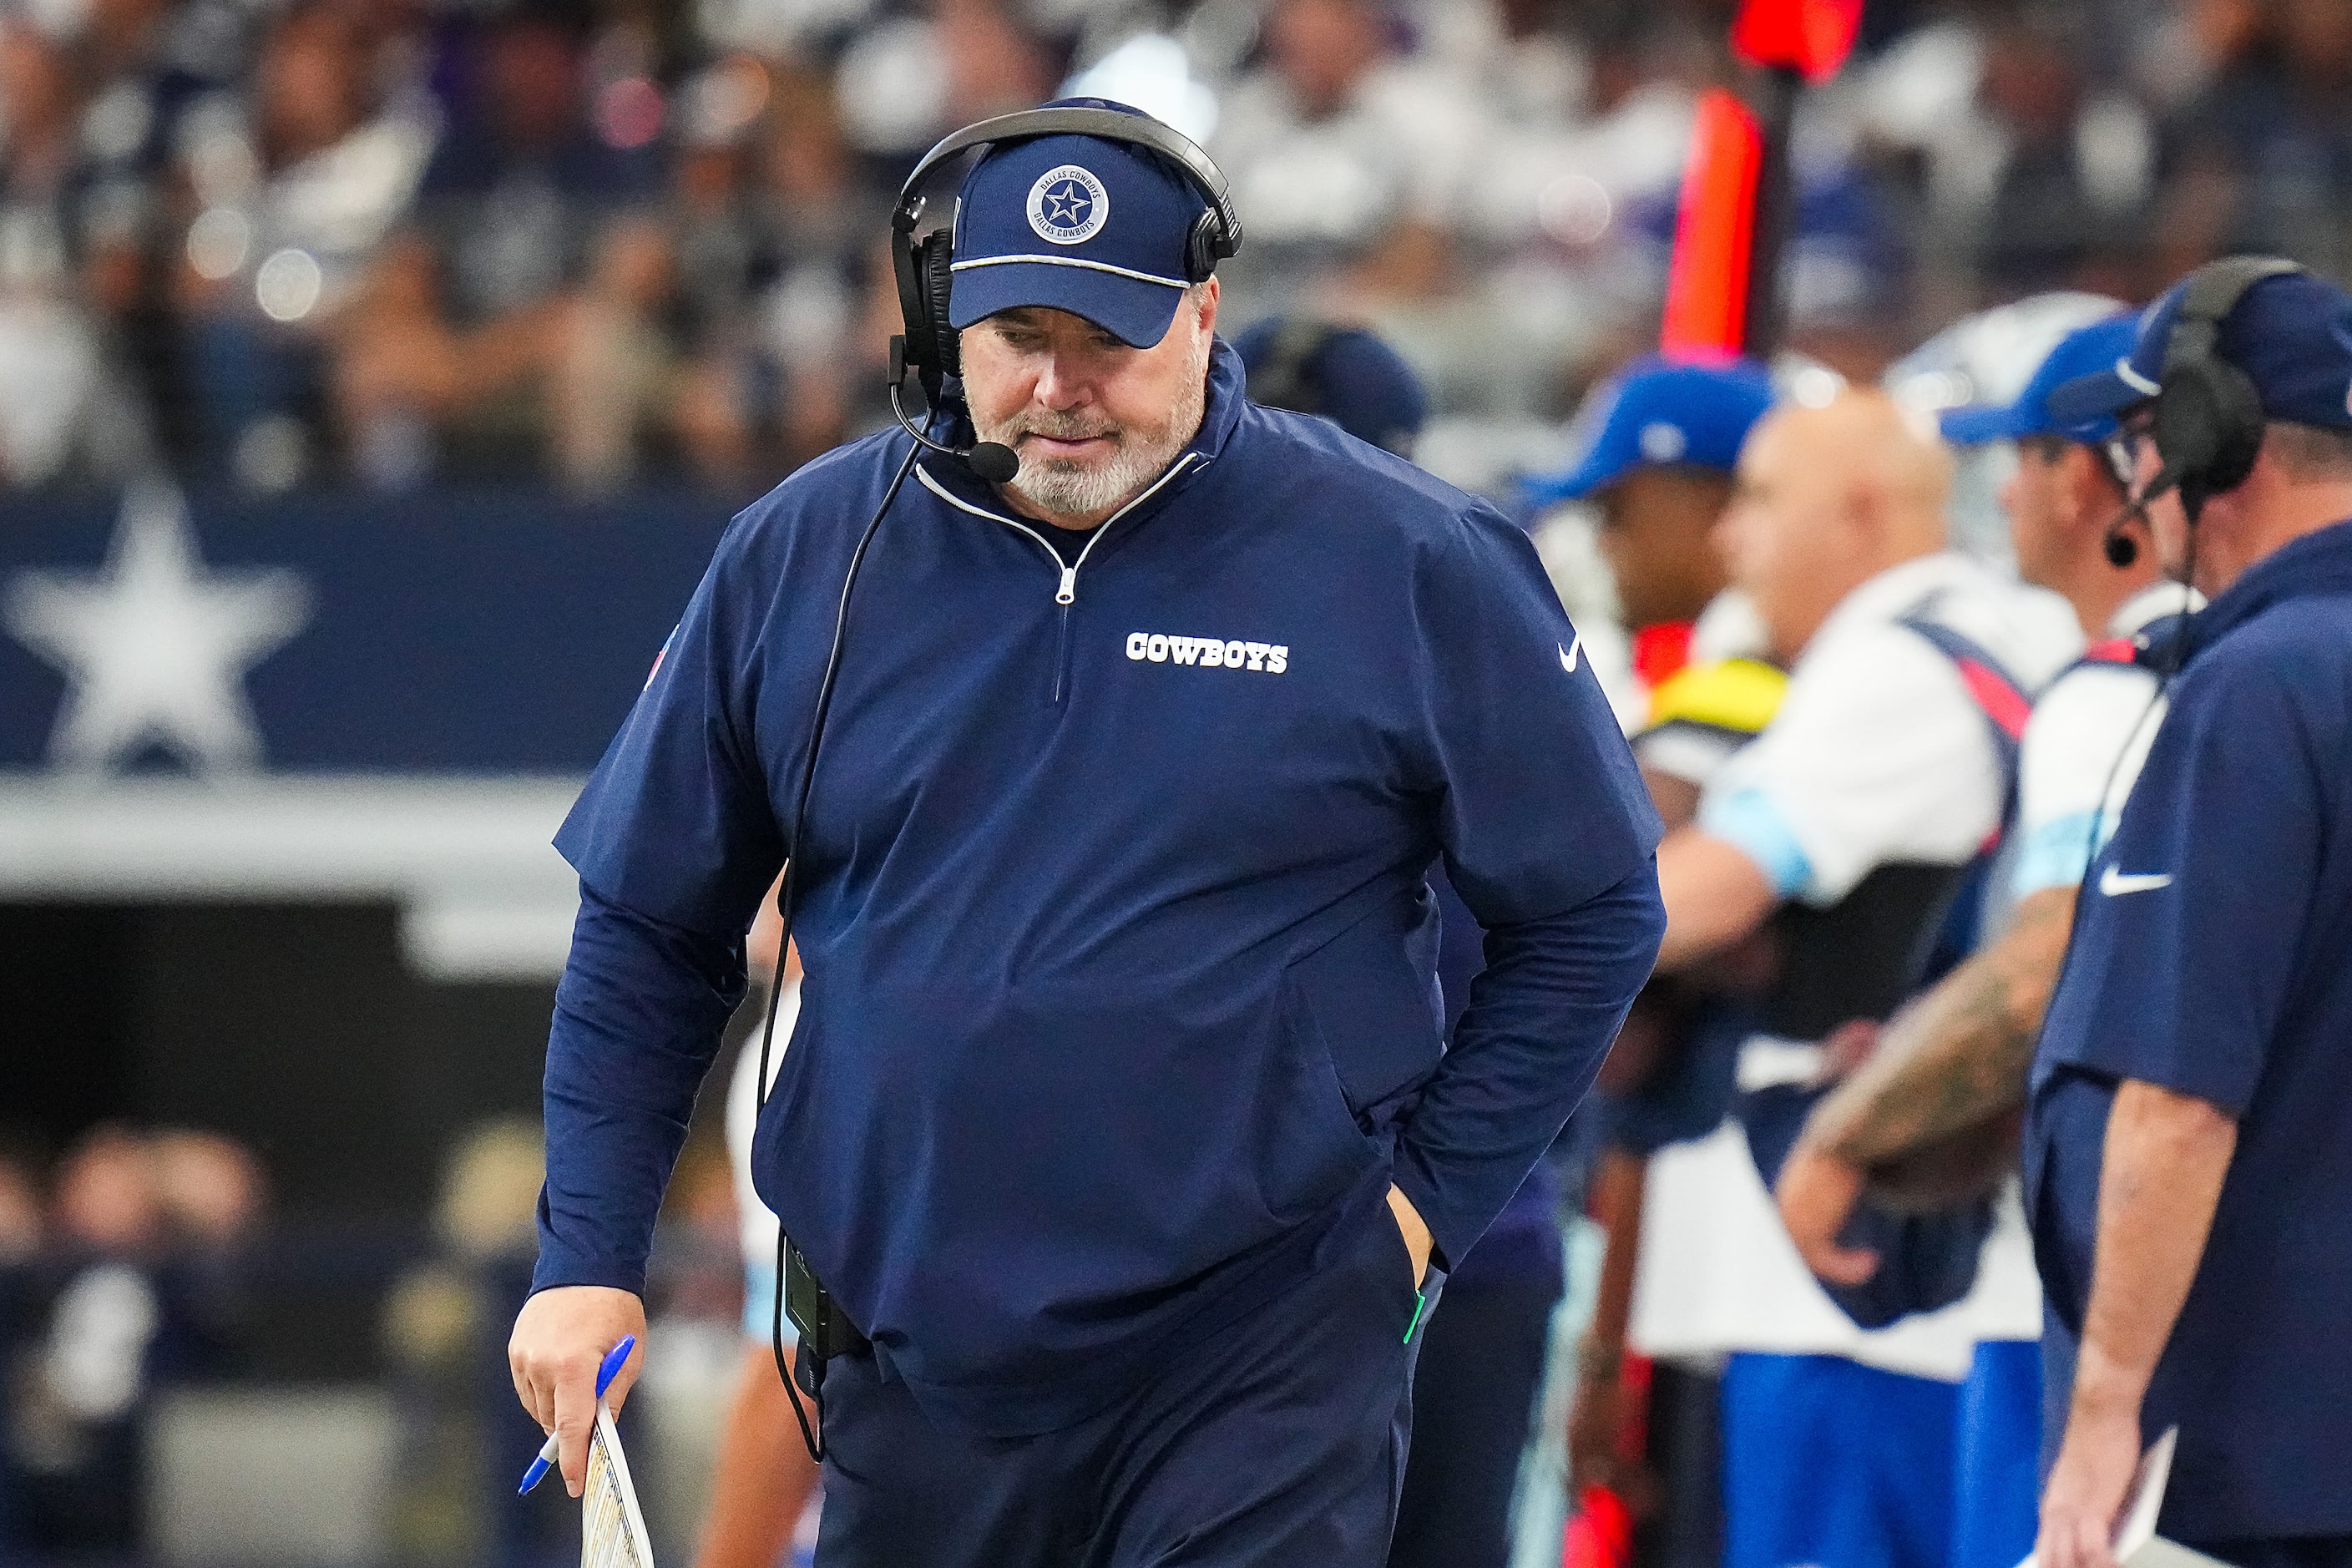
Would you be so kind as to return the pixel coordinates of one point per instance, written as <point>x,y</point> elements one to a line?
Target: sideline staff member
<point>2189,1138</point>
<point>1937,1100</point>
<point>1116,1115</point>
<point>1845,830</point>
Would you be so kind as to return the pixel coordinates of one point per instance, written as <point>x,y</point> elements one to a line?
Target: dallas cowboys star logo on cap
<point>1068,205</point>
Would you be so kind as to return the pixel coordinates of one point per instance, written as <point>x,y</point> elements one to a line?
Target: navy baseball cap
<point>1094,227</point>
<point>2080,352</point>
<point>2292,335</point>
<point>1346,374</point>
<point>1658,412</point>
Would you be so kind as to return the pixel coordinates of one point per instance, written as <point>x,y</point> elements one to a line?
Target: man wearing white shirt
<point>1845,833</point>
<point>1935,1106</point>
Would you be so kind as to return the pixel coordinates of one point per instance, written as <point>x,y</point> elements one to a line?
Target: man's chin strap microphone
<point>990,461</point>
<point>2122,549</point>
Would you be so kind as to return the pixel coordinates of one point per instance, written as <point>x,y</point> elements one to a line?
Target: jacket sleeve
<point>674,837</point>
<point>1548,835</point>
<point>638,1018</point>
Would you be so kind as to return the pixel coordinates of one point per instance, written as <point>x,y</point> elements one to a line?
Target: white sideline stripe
<point>1071,261</point>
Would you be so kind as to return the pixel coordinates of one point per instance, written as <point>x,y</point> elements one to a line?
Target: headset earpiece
<point>2208,416</point>
<point>935,261</point>
<point>2209,423</point>
<point>914,294</point>
<point>1207,245</point>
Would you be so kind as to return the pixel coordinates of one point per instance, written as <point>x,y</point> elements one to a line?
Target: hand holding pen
<point>560,1336</point>
<point>606,1370</point>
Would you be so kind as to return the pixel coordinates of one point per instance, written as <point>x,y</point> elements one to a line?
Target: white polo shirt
<point>1878,755</point>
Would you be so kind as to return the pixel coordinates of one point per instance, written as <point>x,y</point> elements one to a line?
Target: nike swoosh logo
<point>2114,883</point>
<point>1571,653</point>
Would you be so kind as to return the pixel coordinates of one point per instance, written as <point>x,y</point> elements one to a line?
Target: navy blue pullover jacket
<point>1121,960</point>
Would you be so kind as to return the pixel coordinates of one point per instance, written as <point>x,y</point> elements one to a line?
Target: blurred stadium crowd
<point>144,1271</point>
<point>390,242</point>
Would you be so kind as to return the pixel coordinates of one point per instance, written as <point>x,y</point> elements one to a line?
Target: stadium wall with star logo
<point>277,782</point>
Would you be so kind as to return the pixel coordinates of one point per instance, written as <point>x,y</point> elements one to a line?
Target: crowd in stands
<point>394,242</point>
<point>122,1278</point>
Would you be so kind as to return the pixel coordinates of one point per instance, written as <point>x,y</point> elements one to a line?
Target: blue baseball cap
<point>2080,352</point>
<point>2291,334</point>
<point>1078,224</point>
<point>1346,374</point>
<point>1656,411</point>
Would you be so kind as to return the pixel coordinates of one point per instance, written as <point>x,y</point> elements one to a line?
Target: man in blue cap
<point>1930,1119</point>
<point>1658,441</point>
<point>1661,441</point>
<point>1117,1146</point>
<point>2189,1140</point>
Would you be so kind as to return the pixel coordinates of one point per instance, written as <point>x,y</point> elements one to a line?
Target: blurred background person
<point>514,307</point>
<point>136,1289</point>
<point>72,303</point>
<point>1660,442</point>
<point>1931,1118</point>
<point>444,1331</point>
<point>1483,1353</point>
<point>765,1479</point>
<point>1346,157</point>
<point>300,188</point>
<point>1850,827</point>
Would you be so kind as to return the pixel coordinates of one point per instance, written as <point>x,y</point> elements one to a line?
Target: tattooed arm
<point>1953,1062</point>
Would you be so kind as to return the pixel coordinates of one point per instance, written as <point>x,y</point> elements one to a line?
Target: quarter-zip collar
<point>957,486</point>
<point>2318,562</point>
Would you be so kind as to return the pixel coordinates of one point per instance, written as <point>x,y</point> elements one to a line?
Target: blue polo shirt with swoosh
<point>1121,960</point>
<point>2213,956</point>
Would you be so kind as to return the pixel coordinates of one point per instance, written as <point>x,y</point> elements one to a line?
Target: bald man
<point>1844,835</point>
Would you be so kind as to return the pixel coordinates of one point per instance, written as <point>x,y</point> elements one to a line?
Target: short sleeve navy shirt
<point>2212,955</point>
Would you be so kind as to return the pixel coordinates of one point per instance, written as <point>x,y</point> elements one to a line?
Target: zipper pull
<point>1069,594</point>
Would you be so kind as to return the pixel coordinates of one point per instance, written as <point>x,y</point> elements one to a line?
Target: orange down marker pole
<point>1707,291</point>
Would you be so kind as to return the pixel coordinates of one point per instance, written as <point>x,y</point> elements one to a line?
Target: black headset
<point>2208,416</point>
<point>923,267</point>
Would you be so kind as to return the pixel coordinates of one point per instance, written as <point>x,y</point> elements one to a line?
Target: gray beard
<point>1060,487</point>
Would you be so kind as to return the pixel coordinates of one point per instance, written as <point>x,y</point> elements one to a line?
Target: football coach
<point>1116,1122</point>
<point>2188,1147</point>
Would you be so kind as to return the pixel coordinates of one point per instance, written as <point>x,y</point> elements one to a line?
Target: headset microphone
<point>2122,549</point>
<point>990,461</point>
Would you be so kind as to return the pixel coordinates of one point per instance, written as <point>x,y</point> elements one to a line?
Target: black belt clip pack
<point>825,1329</point>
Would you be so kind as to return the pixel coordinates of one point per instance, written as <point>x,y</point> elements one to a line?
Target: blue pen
<point>605,1372</point>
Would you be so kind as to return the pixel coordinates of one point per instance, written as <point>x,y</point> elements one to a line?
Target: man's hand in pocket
<point>1417,1239</point>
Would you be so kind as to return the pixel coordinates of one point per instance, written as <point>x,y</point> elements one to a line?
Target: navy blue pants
<point>1473,1399</point>
<point>1279,1439</point>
